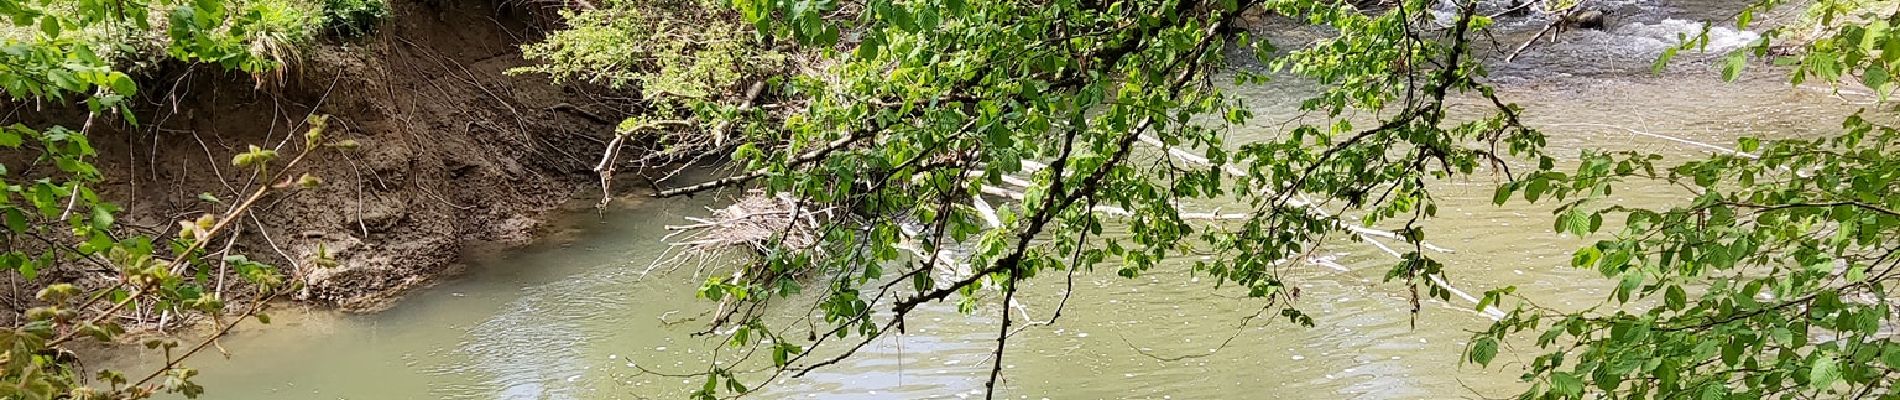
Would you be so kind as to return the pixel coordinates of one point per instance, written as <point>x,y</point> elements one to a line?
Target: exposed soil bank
<point>452,151</point>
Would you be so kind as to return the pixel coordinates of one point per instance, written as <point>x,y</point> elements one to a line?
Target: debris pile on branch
<point>757,221</point>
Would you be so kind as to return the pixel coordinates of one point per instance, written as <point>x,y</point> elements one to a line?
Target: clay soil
<point>453,151</point>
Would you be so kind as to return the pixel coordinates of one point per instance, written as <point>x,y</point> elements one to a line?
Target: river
<point>572,317</point>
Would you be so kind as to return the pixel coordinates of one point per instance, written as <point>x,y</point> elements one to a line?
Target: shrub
<point>668,49</point>
<point>353,18</point>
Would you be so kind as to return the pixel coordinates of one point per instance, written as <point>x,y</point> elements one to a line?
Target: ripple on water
<point>527,350</point>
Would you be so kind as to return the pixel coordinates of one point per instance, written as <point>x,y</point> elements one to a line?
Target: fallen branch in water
<point>606,166</point>
<point>1664,137</point>
<point>1548,28</point>
<point>756,222</point>
<point>1299,202</point>
<point>1489,311</point>
<point>1367,233</point>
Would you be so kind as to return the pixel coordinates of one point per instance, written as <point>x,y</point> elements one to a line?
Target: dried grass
<point>757,222</point>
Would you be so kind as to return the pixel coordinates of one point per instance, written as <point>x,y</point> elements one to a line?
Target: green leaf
<point>1733,67</point>
<point>1878,78</point>
<point>868,46</point>
<point>896,15</point>
<point>1824,371</point>
<point>1586,257</point>
<point>1891,356</point>
<point>16,220</point>
<point>1574,222</point>
<point>1870,38</point>
<point>1663,60</point>
<point>122,84</point>
<point>10,137</point>
<point>50,26</point>
<point>1713,392</point>
<point>735,386</point>
<point>101,218</point>
<point>255,157</point>
<point>827,36</point>
<point>210,10</point>
<point>1566,384</point>
<point>1484,350</point>
<point>1890,49</point>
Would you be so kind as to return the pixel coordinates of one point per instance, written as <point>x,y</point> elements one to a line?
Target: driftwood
<point>756,222</point>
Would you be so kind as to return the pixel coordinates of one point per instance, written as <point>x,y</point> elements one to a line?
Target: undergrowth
<point>354,18</point>
<point>668,49</point>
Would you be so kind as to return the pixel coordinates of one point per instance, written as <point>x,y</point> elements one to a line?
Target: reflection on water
<point>575,319</point>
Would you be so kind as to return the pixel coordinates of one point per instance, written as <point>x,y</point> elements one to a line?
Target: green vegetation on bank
<point>354,18</point>
<point>62,54</point>
<point>684,50</point>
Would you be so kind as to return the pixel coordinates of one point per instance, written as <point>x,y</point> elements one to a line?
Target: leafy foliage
<point>64,53</point>
<point>667,48</point>
<point>1835,41</point>
<point>256,36</point>
<point>60,49</point>
<point>354,18</point>
<point>1772,281</point>
<point>1080,112</point>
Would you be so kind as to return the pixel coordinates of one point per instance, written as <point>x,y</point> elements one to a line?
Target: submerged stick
<point>1300,203</point>
<point>1489,311</point>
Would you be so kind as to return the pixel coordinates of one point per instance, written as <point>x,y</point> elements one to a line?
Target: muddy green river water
<point>570,317</point>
